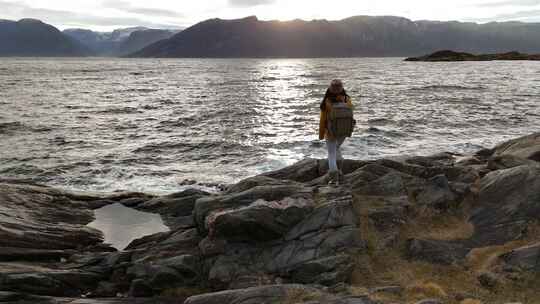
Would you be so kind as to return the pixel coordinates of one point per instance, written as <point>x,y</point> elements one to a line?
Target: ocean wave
<point>16,126</point>
<point>388,133</point>
<point>379,121</point>
<point>22,170</point>
<point>447,88</point>
<point>139,90</point>
<point>125,110</point>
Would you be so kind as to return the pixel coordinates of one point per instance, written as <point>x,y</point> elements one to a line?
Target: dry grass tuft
<point>425,290</point>
<point>425,280</point>
<point>482,259</point>
<point>429,224</point>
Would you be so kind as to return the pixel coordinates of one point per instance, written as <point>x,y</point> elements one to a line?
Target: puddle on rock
<point>121,225</point>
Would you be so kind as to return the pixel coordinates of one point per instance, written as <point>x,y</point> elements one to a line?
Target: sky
<point>105,15</point>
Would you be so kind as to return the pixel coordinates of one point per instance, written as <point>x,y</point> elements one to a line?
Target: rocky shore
<point>444,228</point>
<point>460,56</point>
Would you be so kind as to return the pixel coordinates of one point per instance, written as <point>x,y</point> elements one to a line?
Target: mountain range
<point>358,36</point>
<point>30,37</point>
<point>118,42</point>
<point>352,37</point>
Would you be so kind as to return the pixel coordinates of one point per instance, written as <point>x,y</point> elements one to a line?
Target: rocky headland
<point>461,56</point>
<point>444,228</point>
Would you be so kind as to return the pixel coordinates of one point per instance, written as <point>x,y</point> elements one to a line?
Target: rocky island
<point>461,56</point>
<point>443,228</point>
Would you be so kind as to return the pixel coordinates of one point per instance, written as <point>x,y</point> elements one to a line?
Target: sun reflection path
<point>285,120</point>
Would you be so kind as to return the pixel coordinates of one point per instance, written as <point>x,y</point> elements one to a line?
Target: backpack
<point>341,120</point>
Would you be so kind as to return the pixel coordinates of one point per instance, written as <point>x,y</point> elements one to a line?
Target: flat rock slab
<point>271,294</point>
<point>40,218</point>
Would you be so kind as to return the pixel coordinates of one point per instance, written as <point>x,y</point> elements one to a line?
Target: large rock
<point>155,276</point>
<point>40,218</point>
<point>204,207</point>
<point>437,194</point>
<point>260,221</point>
<point>328,232</point>
<point>527,147</point>
<point>509,200</point>
<point>48,281</point>
<point>507,161</point>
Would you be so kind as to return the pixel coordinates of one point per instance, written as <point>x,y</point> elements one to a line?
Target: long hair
<point>332,96</point>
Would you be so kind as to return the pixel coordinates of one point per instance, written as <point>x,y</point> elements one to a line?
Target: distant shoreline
<point>449,56</point>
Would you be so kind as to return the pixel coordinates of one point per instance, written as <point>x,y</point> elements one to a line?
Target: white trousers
<point>334,153</point>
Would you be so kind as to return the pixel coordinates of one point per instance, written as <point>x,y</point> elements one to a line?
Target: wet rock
<point>527,147</point>
<point>42,218</point>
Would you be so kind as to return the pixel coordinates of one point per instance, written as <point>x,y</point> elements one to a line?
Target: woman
<point>334,95</point>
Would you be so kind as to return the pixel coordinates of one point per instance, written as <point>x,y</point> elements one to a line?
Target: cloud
<point>509,3</point>
<point>128,7</point>
<point>524,16</point>
<point>249,3</point>
<point>520,15</point>
<point>12,10</point>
